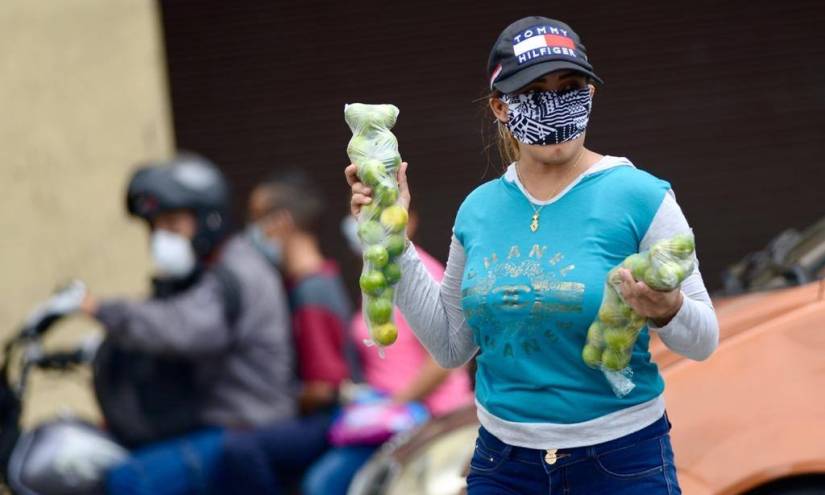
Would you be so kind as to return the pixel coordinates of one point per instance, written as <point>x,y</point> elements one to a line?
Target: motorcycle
<point>65,455</point>
<point>69,456</point>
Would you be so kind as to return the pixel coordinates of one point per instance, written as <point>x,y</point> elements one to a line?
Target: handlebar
<point>34,357</point>
<point>59,360</point>
<point>63,359</point>
<point>65,301</point>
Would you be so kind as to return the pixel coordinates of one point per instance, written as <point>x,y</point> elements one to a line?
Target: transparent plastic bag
<point>612,335</point>
<point>382,223</point>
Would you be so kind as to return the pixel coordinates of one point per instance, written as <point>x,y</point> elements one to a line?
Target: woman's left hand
<point>659,307</point>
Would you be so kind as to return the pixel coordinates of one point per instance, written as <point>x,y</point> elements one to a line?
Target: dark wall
<point>726,100</point>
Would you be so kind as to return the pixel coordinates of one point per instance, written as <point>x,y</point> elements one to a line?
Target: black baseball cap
<point>532,47</point>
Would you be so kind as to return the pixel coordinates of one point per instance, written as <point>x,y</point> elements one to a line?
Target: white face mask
<point>172,254</point>
<point>272,249</point>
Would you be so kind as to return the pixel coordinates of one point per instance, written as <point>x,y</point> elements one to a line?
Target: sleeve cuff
<point>409,253</point>
<point>112,314</point>
<point>676,322</point>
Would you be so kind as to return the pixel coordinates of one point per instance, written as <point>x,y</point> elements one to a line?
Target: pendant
<point>534,225</point>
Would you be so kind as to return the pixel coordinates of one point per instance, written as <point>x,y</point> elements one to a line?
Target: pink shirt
<point>403,359</point>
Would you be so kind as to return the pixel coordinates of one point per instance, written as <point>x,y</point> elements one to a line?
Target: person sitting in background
<point>211,349</point>
<point>405,374</point>
<point>284,213</point>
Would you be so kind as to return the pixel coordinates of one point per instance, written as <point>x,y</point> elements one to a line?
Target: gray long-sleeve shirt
<point>247,370</point>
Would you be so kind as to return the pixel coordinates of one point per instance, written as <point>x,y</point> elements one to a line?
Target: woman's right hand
<point>362,195</point>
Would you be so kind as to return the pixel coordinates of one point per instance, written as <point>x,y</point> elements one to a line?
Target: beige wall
<point>83,97</point>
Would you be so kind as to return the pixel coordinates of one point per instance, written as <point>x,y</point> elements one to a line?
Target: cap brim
<point>524,77</point>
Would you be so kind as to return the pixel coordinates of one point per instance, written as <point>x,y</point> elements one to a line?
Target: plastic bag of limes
<point>382,223</point>
<point>611,337</point>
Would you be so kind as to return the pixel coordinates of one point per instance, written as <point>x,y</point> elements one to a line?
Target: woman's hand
<point>362,195</point>
<point>659,307</point>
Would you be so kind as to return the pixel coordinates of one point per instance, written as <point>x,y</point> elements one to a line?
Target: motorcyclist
<point>215,335</point>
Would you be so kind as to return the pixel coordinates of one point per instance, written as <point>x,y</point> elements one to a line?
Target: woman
<point>524,279</point>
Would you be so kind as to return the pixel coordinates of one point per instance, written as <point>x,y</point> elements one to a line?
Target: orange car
<point>754,413</point>
<point>749,420</point>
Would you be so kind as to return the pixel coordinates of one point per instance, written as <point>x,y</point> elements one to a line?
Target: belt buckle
<point>551,456</point>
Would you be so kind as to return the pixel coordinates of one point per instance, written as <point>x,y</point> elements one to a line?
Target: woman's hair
<point>498,136</point>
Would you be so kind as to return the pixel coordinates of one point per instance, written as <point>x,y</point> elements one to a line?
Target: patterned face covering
<point>548,117</point>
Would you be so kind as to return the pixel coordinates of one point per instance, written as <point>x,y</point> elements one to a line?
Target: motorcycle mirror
<point>65,301</point>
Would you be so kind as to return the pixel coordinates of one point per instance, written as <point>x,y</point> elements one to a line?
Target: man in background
<point>284,214</point>
<point>211,349</point>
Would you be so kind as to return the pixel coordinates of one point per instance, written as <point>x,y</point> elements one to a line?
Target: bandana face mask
<point>548,117</point>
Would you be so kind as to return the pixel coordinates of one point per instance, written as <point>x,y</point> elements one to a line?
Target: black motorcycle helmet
<point>185,182</point>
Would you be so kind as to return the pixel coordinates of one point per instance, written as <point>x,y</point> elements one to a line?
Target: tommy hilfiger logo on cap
<point>540,41</point>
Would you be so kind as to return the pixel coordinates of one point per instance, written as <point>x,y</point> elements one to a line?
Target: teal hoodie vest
<point>530,296</point>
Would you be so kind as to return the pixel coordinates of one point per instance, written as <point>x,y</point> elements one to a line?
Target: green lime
<point>637,264</point>
<point>619,338</point>
<point>372,172</point>
<point>370,211</point>
<point>592,355</point>
<point>379,310</point>
<point>385,115</point>
<point>377,255</point>
<point>637,321</point>
<point>394,219</point>
<point>615,360</point>
<point>360,115</point>
<point>595,334</point>
<point>386,194</point>
<point>612,315</point>
<point>653,280</point>
<point>682,245</point>
<point>384,334</point>
<point>372,282</point>
<point>392,273</point>
<point>668,276</point>
<point>396,244</point>
<point>388,293</point>
<point>627,310</point>
<point>681,270</point>
<point>359,147</point>
<point>371,232</point>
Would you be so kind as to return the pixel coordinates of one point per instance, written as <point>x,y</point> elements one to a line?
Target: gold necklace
<point>534,222</point>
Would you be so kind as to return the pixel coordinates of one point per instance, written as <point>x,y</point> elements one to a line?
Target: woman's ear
<point>592,90</point>
<point>499,109</point>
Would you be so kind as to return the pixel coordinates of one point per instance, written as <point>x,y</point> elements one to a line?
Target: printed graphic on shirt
<point>518,304</point>
<point>543,41</point>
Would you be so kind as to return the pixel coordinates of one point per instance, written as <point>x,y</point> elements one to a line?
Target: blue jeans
<point>332,473</point>
<point>639,463</point>
<point>265,461</point>
<point>180,466</point>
